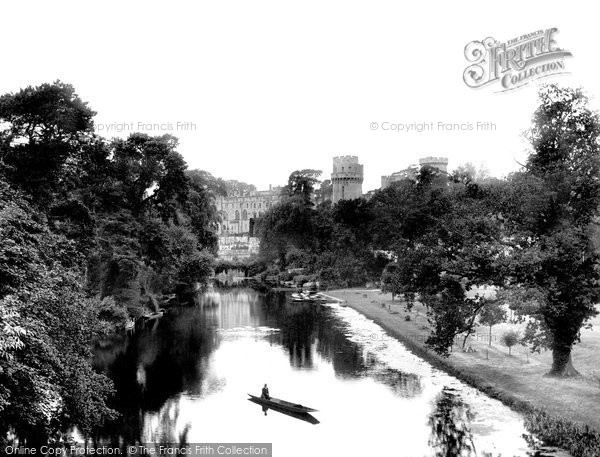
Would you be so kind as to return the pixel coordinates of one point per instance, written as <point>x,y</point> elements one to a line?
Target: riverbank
<point>517,380</point>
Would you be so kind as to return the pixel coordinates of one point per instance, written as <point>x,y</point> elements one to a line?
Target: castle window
<point>244,215</point>
<point>237,215</point>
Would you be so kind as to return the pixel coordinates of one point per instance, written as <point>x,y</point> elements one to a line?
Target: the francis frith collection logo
<point>516,62</point>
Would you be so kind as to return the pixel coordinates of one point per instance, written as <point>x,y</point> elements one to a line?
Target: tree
<point>88,231</point>
<point>234,187</point>
<point>554,264</point>
<point>492,314</point>
<point>288,224</point>
<point>510,339</point>
<point>46,381</point>
<point>390,280</point>
<point>468,172</point>
<point>325,191</point>
<point>45,129</point>
<point>445,247</point>
<point>301,183</point>
<point>148,171</point>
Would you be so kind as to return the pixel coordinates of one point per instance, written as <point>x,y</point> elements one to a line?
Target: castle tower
<point>439,163</point>
<point>346,178</point>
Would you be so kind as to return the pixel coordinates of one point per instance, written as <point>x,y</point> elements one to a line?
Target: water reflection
<point>449,422</point>
<point>184,378</point>
<point>300,416</point>
<point>156,363</point>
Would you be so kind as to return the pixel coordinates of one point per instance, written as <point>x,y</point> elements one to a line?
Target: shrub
<point>509,339</point>
<point>579,440</point>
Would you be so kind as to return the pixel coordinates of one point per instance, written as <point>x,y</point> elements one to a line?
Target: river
<point>185,378</point>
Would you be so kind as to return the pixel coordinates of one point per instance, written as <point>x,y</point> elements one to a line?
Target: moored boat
<point>154,315</point>
<point>309,297</point>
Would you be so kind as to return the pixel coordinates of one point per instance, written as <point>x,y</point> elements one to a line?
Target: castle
<point>346,178</point>
<point>237,236</point>
<point>438,163</point>
<point>239,211</point>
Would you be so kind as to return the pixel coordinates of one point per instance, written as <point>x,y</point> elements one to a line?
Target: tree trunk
<point>465,340</point>
<point>490,343</point>
<point>562,365</point>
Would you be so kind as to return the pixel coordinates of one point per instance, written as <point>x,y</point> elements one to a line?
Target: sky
<point>257,89</point>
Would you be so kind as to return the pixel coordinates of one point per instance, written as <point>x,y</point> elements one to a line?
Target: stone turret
<point>439,163</point>
<point>346,178</point>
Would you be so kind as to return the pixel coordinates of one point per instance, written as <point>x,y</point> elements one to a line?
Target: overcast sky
<point>274,86</point>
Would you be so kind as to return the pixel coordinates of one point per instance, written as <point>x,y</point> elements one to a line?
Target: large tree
<point>444,244</point>
<point>301,183</point>
<point>45,132</point>
<point>554,266</point>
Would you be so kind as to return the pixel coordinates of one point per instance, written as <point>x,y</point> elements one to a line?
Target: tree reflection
<point>151,367</point>
<point>403,384</point>
<point>450,432</point>
<point>306,327</point>
<point>297,322</point>
<point>156,363</point>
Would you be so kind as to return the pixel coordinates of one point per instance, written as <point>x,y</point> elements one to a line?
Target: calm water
<point>185,378</point>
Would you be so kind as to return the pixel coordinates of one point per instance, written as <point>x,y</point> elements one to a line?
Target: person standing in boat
<point>265,393</point>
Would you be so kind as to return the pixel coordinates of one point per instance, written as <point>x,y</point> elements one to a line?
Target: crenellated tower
<point>346,178</point>
<point>439,163</point>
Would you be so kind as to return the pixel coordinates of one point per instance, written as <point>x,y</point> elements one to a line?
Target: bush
<point>579,440</point>
<point>509,339</point>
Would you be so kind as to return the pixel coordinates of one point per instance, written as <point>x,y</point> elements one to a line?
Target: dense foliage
<point>528,240</point>
<point>91,231</point>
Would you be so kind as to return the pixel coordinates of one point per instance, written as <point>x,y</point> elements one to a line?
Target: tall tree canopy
<point>302,183</point>
<point>46,132</point>
<point>555,268</point>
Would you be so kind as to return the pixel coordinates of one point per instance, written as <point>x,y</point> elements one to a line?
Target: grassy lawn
<point>519,376</point>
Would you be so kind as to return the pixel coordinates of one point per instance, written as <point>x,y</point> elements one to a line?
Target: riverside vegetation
<point>92,232</point>
<point>532,238</point>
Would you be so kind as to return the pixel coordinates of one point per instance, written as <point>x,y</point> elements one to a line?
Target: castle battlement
<point>348,158</point>
<point>440,163</point>
<point>431,159</point>
<point>346,178</point>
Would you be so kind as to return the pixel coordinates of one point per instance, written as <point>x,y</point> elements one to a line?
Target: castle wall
<point>236,212</point>
<point>237,247</point>
<point>439,163</point>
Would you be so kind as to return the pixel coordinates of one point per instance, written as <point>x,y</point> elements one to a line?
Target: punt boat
<point>277,403</point>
